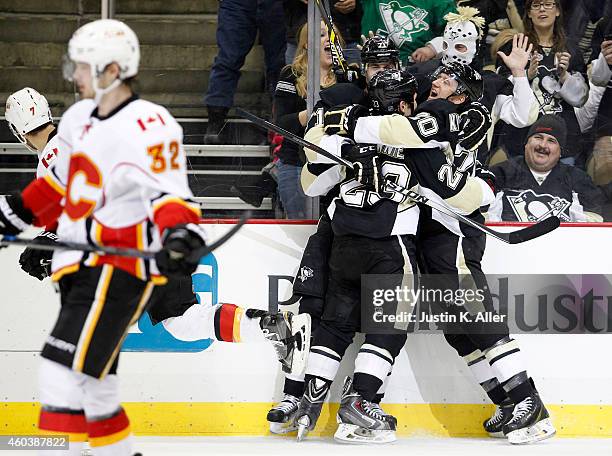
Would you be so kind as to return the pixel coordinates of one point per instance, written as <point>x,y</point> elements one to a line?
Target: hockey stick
<point>338,59</point>
<point>515,237</point>
<point>120,251</point>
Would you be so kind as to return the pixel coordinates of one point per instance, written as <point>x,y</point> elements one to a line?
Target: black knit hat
<point>550,125</point>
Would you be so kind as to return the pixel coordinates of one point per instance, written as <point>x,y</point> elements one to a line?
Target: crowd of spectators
<point>568,70</point>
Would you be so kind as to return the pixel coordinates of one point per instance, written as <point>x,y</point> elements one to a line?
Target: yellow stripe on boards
<point>236,418</point>
<point>231,418</point>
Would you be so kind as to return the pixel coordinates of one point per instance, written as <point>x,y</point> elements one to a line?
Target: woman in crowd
<point>557,74</point>
<point>289,110</point>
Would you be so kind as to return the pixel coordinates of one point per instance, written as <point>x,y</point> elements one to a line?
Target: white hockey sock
<point>296,378</point>
<point>250,330</point>
<point>323,362</point>
<point>479,366</point>
<point>197,323</point>
<point>506,360</point>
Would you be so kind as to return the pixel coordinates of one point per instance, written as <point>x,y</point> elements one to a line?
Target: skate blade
<point>356,435</point>
<point>303,424</point>
<point>542,430</point>
<point>282,428</point>
<point>497,435</point>
<point>300,328</point>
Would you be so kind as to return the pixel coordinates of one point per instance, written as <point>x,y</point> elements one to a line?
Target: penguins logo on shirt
<point>402,21</point>
<point>305,273</point>
<point>529,206</point>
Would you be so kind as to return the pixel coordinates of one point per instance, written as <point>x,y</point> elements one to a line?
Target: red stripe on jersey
<point>109,426</point>
<point>161,119</point>
<point>226,322</point>
<point>127,237</point>
<point>142,125</point>
<point>73,422</point>
<point>43,201</point>
<point>173,213</point>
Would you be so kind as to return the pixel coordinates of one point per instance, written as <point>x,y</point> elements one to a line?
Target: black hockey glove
<point>365,163</point>
<point>474,126</point>
<point>14,217</point>
<point>485,175</point>
<point>178,242</point>
<point>37,262</point>
<point>352,76</point>
<point>341,120</point>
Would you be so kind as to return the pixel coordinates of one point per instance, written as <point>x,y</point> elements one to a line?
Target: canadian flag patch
<point>152,121</point>
<point>48,158</point>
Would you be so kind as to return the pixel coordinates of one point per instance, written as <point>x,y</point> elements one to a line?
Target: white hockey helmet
<point>26,110</point>
<point>100,43</point>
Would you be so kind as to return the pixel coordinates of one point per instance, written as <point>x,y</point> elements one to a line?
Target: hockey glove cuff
<point>174,259</point>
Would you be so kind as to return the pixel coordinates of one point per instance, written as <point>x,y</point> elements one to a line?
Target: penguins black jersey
<point>415,153</point>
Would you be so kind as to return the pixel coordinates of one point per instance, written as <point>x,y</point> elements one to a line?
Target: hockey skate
<point>495,424</point>
<point>362,421</point>
<point>282,416</point>
<point>290,336</point>
<point>530,422</point>
<point>311,405</point>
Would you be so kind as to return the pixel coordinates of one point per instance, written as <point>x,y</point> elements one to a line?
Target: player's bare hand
<point>606,50</point>
<point>345,6</point>
<point>518,59</point>
<point>423,54</point>
<point>563,60</point>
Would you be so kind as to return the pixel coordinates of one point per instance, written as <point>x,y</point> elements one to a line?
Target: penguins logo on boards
<point>529,206</point>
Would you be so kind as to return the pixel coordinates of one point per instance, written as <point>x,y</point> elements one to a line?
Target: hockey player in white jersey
<point>119,180</point>
<point>174,305</point>
<point>29,119</point>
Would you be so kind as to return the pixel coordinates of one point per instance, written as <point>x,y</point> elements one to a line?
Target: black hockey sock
<point>378,398</point>
<point>497,394</point>
<point>366,385</point>
<point>518,387</point>
<point>293,387</point>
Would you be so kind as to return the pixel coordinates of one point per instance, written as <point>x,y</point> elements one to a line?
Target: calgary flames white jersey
<point>48,155</point>
<point>116,173</point>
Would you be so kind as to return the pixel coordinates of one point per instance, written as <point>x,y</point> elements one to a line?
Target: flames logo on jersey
<point>529,206</point>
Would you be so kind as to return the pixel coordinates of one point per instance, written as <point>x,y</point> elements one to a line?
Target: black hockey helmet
<point>470,80</point>
<point>379,49</point>
<point>388,87</point>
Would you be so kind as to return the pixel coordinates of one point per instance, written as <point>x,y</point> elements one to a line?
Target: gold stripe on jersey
<point>59,188</point>
<point>70,269</point>
<point>139,266</point>
<point>168,199</point>
<point>92,318</point>
<point>144,299</point>
<point>469,197</point>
